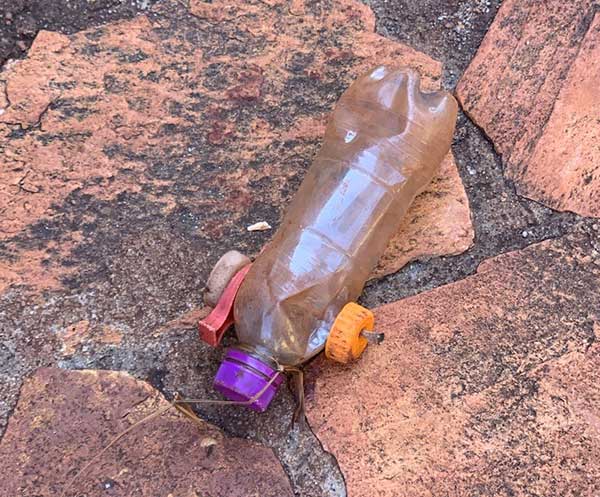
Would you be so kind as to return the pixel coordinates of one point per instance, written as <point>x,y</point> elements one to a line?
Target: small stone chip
<point>207,442</point>
<point>260,226</point>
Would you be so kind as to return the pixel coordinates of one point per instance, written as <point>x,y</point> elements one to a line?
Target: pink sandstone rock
<point>64,418</point>
<point>564,168</point>
<point>486,386</point>
<point>532,88</point>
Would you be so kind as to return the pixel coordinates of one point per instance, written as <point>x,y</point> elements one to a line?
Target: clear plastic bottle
<point>384,142</point>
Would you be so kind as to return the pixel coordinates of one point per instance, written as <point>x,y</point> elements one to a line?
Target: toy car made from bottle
<point>383,144</point>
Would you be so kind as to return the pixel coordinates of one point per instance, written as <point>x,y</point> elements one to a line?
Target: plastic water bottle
<point>384,142</point>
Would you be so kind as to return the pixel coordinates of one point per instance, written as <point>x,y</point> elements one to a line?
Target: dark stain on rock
<point>90,49</point>
<point>299,62</point>
<point>70,107</point>
<point>133,57</point>
<point>112,84</point>
<point>216,77</point>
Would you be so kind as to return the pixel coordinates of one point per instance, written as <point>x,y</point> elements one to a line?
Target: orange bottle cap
<point>345,342</point>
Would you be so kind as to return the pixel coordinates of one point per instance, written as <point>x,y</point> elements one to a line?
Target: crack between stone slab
<point>499,156</point>
<point>37,124</point>
<point>132,408</point>
<point>12,409</point>
<point>480,251</point>
<point>38,121</point>
<point>325,451</point>
<point>287,475</point>
<point>449,261</point>
<point>508,183</point>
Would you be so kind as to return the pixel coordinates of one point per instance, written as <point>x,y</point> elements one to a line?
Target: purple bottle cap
<point>241,377</point>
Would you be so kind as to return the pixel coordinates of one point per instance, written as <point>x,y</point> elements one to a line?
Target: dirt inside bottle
<point>384,142</point>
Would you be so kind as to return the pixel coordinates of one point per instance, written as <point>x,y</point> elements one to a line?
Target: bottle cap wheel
<point>345,343</point>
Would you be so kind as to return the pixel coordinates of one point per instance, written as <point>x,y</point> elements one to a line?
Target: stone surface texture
<point>487,386</point>
<point>21,20</point>
<point>533,89</point>
<point>134,154</point>
<point>136,109</point>
<point>65,418</point>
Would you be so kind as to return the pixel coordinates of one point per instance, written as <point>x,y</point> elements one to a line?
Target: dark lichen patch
<point>175,108</point>
<point>216,76</point>
<point>516,398</point>
<point>112,150</point>
<point>90,49</point>
<point>153,76</point>
<point>95,34</point>
<point>139,104</point>
<point>103,246</point>
<point>62,85</point>
<point>8,253</point>
<point>303,91</point>
<point>78,108</point>
<point>75,137</point>
<point>299,62</point>
<point>236,44</point>
<point>162,170</point>
<point>16,132</point>
<point>114,84</point>
<point>132,57</point>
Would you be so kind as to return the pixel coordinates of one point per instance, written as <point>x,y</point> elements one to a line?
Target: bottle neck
<point>260,353</point>
<point>246,378</point>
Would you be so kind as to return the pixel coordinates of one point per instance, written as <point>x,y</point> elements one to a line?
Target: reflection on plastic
<point>384,142</point>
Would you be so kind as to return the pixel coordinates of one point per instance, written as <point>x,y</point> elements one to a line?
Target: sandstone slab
<point>64,418</point>
<point>532,87</point>
<point>486,386</point>
<point>210,113</point>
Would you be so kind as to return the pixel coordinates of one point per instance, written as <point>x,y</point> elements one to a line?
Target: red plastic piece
<point>213,326</point>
